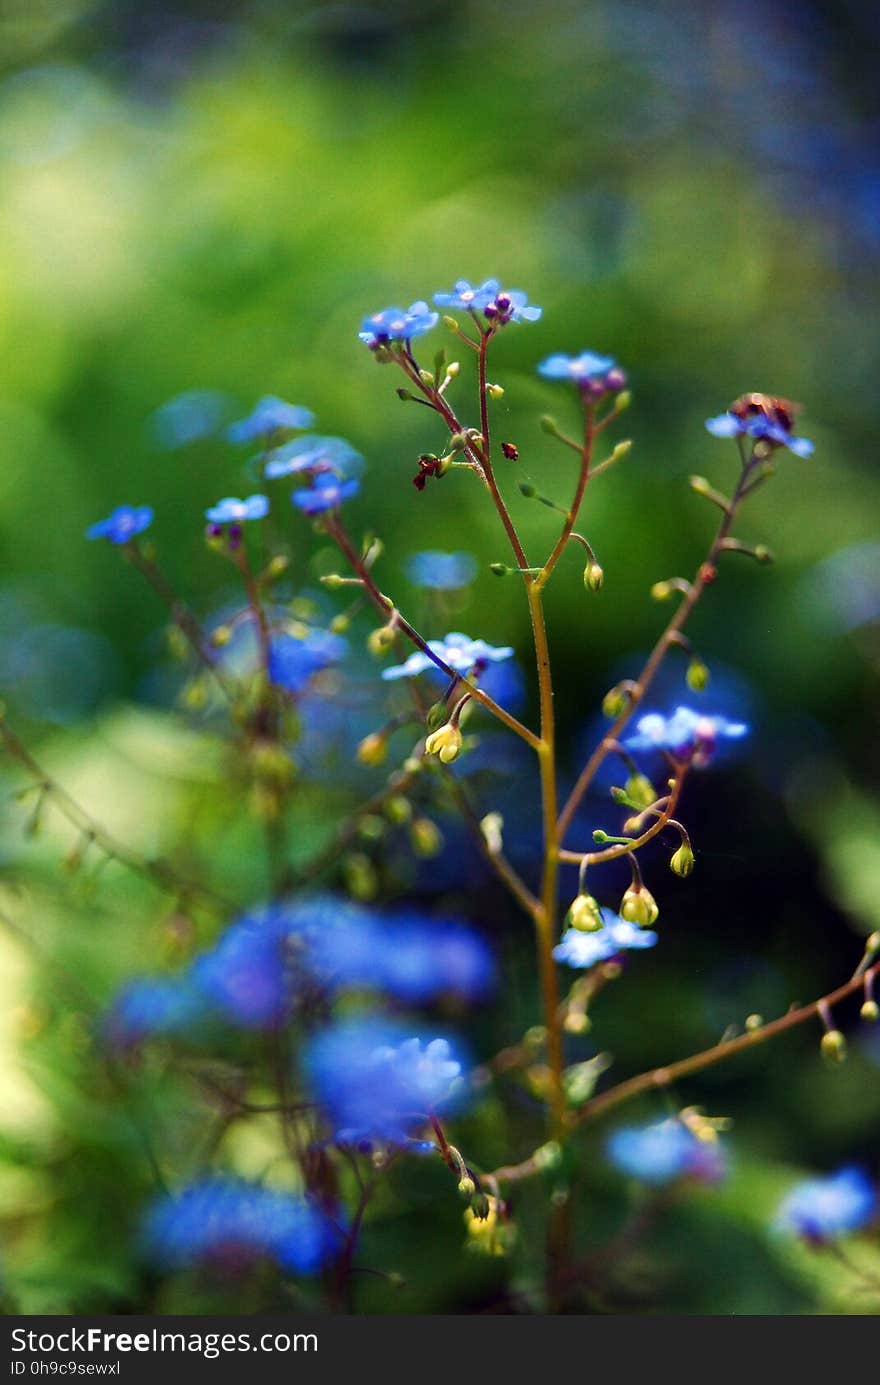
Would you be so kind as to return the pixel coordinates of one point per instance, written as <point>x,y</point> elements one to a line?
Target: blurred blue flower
<point>579,949</point>
<point>248,973</point>
<point>765,422</point>
<point>393,324</point>
<point>594,374</point>
<point>469,297</point>
<point>122,525</point>
<point>820,1208</point>
<point>327,492</point>
<point>152,1006</point>
<point>295,659</point>
<point>664,1152</point>
<point>424,958</point>
<point>375,1082</point>
<point>269,415</point>
<point>313,454</point>
<point>231,510</point>
<point>188,417</point>
<point>686,734</point>
<point>440,571</point>
<point>459,651</point>
<point>227,1220</point>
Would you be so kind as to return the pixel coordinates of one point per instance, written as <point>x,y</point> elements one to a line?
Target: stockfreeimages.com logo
<point>91,1340</point>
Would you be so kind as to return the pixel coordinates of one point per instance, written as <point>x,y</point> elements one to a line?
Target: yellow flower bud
<point>870,1011</point>
<point>640,790</point>
<point>682,861</point>
<point>639,906</point>
<point>381,640</point>
<point>373,749</point>
<point>584,914</point>
<point>594,576</point>
<point>426,838</point>
<point>697,676</point>
<point>833,1046</point>
<point>445,743</point>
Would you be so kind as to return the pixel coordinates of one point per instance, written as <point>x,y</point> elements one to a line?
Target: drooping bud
<point>697,676</point>
<point>870,1011</point>
<point>682,861</point>
<point>436,715</point>
<point>426,838</point>
<point>833,1046</point>
<point>753,1022</point>
<point>221,636</point>
<point>639,906</point>
<point>661,591</point>
<point>593,576</point>
<point>527,490</point>
<point>495,391</point>
<point>614,702</point>
<point>379,641</point>
<point>373,749</point>
<point>585,914</point>
<point>398,809</point>
<point>467,1187</point>
<point>445,743</point>
<point>640,790</point>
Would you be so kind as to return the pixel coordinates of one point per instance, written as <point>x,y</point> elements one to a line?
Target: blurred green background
<point>210,197</point>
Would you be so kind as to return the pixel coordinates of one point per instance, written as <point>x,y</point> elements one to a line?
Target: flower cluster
<point>764,419</point>
<point>228,1223</point>
<point>821,1208</point>
<point>666,1152</point>
<point>269,960</point>
<point>686,735</point>
<point>375,1082</point>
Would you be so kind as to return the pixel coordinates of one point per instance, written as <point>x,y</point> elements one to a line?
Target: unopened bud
<point>221,636</point>
<point>870,1011</point>
<point>640,790</point>
<point>360,877</point>
<point>697,676</point>
<point>682,861</point>
<point>467,1187</point>
<point>593,576</point>
<point>639,906</point>
<point>405,394</point>
<point>339,624</point>
<point>833,1046</point>
<point>452,369</point>
<point>373,749</point>
<point>576,1022</point>
<point>623,401</point>
<point>753,1022</point>
<point>458,442</point>
<point>436,715</point>
<point>332,581</point>
<point>661,591</point>
<point>495,391</point>
<point>426,838</point>
<point>528,490</point>
<point>445,743</point>
<point>450,323</point>
<point>585,914</point>
<point>276,567</point>
<point>379,641</point>
<point>398,809</point>
<point>613,703</point>
<point>499,569</point>
<point>872,944</point>
<point>549,425</point>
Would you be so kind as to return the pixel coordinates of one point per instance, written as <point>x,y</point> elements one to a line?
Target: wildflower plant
<point>328,991</point>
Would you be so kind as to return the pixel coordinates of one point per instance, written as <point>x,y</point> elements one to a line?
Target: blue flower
<point>686,734</point>
<point>327,492</point>
<point>312,454</point>
<point>459,651</point>
<point>229,1221</point>
<point>665,1152</point>
<point>245,974</point>
<point>231,510</point>
<point>820,1208</point>
<point>270,415</point>
<point>764,418</point>
<point>468,297</point>
<point>578,949</point>
<point>188,417</point>
<point>441,571</point>
<point>496,304</point>
<point>151,1006</point>
<point>393,324</point>
<point>422,959</point>
<point>595,375</point>
<point>122,525</point>
<point>375,1082</point>
<point>294,660</point>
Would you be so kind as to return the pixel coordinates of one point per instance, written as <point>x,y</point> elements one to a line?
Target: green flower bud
<point>373,749</point>
<point>426,838</point>
<point>593,576</point>
<point>640,790</point>
<point>221,636</point>
<point>613,703</point>
<point>379,641</point>
<point>753,1022</point>
<point>467,1187</point>
<point>833,1046</point>
<point>697,676</point>
<point>870,1011</point>
<point>661,591</point>
<point>682,861</point>
<point>584,914</point>
<point>499,569</point>
<point>494,391</point>
<point>398,809</point>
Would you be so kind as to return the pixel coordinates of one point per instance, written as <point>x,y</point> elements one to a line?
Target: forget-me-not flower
<point>686,734</point>
<point>496,304</point>
<point>123,524</point>
<point>594,375</point>
<point>231,510</point>
<point>764,418</point>
<point>393,324</point>
<point>327,492</point>
<point>580,949</point>
<point>312,455</point>
<point>439,571</point>
<point>270,415</point>
<point>459,651</point>
<point>820,1208</point>
<point>228,1221</point>
<point>665,1152</point>
<point>152,1006</point>
<point>294,660</point>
